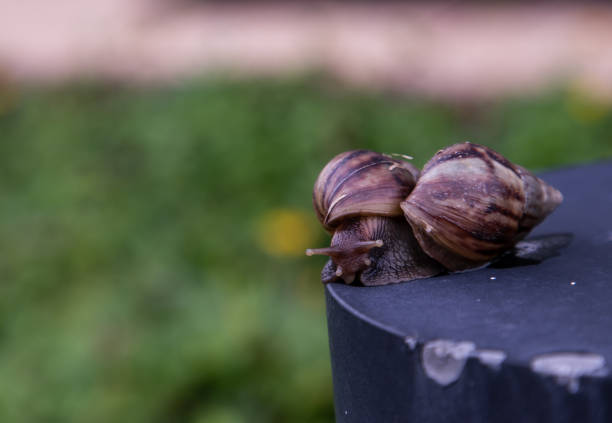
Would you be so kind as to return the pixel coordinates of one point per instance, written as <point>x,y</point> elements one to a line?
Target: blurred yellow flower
<point>285,232</point>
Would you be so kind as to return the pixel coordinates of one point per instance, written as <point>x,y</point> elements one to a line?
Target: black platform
<point>527,341</point>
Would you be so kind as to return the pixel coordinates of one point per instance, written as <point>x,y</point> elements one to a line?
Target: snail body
<point>390,224</point>
<point>380,249</point>
<point>357,198</point>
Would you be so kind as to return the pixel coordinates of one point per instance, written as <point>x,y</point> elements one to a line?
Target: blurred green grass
<point>140,279</point>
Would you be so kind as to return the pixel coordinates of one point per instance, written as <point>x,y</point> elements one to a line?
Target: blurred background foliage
<point>151,239</point>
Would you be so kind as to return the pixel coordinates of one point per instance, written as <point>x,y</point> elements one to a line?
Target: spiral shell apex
<point>471,204</point>
<point>361,183</point>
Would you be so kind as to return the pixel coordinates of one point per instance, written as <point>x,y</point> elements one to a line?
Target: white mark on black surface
<point>490,358</point>
<point>444,360</point>
<point>411,341</point>
<point>568,367</point>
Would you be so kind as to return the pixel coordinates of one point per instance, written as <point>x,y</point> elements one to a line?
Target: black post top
<point>548,312</point>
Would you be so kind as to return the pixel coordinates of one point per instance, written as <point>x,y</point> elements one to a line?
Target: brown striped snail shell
<point>471,204</point>
<point>357,198</point>
<point>359,183</point>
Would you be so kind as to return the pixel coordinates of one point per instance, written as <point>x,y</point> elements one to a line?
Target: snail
<point>389,223</point>
<point>357,198</point>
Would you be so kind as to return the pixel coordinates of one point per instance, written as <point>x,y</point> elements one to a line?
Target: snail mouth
<point>334,273</point>
<point>346,260</point>
<point>348,278</point>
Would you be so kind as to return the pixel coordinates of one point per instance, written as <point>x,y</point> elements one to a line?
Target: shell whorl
<point>361,183</point>
<point>471,204</point>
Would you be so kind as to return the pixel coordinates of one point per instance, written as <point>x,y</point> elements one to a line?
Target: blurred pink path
<point>454,50</point>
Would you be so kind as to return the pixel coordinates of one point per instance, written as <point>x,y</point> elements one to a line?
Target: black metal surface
<point>560,304</point>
